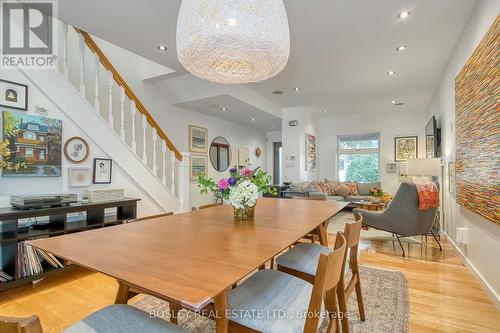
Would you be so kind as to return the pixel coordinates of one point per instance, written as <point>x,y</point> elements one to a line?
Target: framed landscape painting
<point>199,165</point>
<point>34,142</point>
<point>405,148</point>
<point>198,139</point>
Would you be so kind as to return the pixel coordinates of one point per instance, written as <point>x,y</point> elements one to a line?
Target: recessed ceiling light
<point>396,103</point>
<point>401,48</point>
<point>253,119</point>
<point>325,111</point>
<point>277,92</point>
<point>297,89</point>
<point>224,109</point>
<point>404,14</point>
<point>162,47</point>
<point>391,73</point>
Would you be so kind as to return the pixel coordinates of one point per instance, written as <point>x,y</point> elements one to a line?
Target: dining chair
<point>151,217</point>
<point>114,318</point>
<point>210,205</point>
<point>301,261</point>
<point>274,302</point>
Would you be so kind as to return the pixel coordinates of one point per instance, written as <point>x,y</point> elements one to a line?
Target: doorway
<point>277,163</point>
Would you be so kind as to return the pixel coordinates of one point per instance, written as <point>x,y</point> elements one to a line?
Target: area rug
<point>338,222</point>
<point>385,296</point>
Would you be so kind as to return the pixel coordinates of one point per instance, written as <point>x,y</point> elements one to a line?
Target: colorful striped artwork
<point>477,116</point>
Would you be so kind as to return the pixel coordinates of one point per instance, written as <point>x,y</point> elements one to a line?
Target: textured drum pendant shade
<point>233,41</point>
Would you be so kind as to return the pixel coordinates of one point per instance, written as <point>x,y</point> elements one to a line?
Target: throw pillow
<point>312,187</point>
<point>353,188</point>
<point>342,190</point>
<point>322,186</point>
<point>330,186</point>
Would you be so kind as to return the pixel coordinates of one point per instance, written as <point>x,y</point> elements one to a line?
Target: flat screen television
<point>432,139</point>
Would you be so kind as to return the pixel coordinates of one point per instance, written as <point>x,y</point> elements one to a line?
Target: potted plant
<point>377,194</point>
<point>240,190</point>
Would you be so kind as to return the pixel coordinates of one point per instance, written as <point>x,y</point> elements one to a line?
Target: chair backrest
<point>403,213</point>
<point>20,325</point>
<point>210,206</point>
<point>152,217</point>
<point>327,277</point>
<point>352,232</point>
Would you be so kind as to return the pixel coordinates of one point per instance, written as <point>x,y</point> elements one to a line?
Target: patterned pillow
<point>342,190</point>
<point>353,188</point>
<point>312,187</point>
<point>321,186</point>
<point>329,186</point>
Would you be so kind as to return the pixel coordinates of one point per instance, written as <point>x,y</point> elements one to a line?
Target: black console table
<point>56,221</point>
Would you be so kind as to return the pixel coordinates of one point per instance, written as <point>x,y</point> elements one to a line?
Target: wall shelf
<point>76,217</point>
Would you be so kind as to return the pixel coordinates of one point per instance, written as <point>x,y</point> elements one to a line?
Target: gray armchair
<point>402,217</point>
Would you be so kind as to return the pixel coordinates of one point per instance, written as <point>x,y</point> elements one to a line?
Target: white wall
<point>482,253</point>
<point>35,185</point>
<point>175,120</point>
<point>294,145</point>
<point>271,138</point>
<point>389,125</point>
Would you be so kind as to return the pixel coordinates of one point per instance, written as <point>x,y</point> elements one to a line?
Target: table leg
<point>122,293</point>
<point>220,306</point>
<point>323,240</point>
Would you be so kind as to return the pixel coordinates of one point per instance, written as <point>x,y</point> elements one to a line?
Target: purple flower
<point>232,181</point>
<point>232,170</point>
<point>223,184</point>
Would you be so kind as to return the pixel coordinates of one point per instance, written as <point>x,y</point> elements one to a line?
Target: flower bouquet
<point>377,193</point>
<point>240,190</point>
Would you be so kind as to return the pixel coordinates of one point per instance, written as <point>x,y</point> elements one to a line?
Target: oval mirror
<point>220,154</point>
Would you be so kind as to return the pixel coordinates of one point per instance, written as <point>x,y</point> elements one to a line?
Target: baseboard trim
<point>490,292</point>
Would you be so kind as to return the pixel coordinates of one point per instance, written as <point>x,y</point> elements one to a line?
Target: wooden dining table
<point>192,259</point>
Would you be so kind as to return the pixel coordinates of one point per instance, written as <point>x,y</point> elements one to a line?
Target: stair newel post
<point>110,98</point>
<point>82,65</point>
<point>144,143</point>
<point>133,112</point>
<point>97,102</point>
<point>122,113</point>
<point>154,138</point>
<point>65,50</point>
<point>164,162</point>
<point>183,181</point>
<point>172,167</point>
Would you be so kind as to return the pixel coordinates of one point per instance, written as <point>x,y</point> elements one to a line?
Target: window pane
<point>358,141</point>
<point>361,168</point>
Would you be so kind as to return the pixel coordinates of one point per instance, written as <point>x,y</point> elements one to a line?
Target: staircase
<point>116,120</point>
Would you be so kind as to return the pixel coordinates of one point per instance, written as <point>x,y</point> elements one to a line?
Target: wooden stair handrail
<point>118,78</point>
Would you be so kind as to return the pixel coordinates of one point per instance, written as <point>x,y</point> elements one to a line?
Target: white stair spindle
<point>65,50</point>
<point>164,163</point>
<point>172,167</point>
<point>122,113</point>
<point>133,112</point>
<point>82,64</point>
<point>154,137</point>
<point>144,146</point>
<point>97,103</point>
<point>110,98</point>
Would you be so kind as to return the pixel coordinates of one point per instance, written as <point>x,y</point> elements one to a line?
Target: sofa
<point>362,188</point>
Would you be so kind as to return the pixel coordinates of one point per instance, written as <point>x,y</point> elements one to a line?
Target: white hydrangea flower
<point>244,194</point>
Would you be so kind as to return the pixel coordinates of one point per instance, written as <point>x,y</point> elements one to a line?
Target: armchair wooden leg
<point>402,248</point>
<point>342,303</point>
<point>359,297</point>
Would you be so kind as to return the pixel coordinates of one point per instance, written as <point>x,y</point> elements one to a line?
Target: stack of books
<point>4,277</point>
<point>30,260</point>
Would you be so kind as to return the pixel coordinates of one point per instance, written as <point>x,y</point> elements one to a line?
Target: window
<point>28,152</point>
<point>29,136</point>
<point>358,158</point>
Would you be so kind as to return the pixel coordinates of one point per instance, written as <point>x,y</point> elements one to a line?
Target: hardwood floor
<point>444,296</point>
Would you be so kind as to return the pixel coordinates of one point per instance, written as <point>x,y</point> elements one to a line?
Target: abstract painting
<point>477,116</point>
<point>34,142</point>
<point>310,152</point>
<point>405,148</point>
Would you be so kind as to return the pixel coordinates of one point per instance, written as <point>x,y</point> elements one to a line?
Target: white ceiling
<point>234,110</point>
<point>340,49</point>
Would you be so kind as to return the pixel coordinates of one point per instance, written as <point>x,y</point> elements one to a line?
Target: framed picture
<point>103,168</point>
<point>199,165</point>
<point>34,142</point>
<point>310,152</point>
<point>13,95</point>
<point>78,177</point>
<point>198,139</point>
<point>405,148</point>
<point>451,177</point>
<point>76,149</point>
<point>391,168</point>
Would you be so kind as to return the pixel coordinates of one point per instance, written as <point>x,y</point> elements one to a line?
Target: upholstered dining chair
<point>271,301</point>
<point>114,318</point>
<point>301,261</point>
